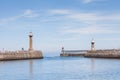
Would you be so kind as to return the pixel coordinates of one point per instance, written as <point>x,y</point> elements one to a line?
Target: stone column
<point>92,45</point>
<point>30,42</point>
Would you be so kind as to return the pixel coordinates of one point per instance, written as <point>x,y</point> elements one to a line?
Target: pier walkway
<point>73,52</point>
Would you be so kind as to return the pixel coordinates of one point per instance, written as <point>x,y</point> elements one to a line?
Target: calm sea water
<point>61,68</point>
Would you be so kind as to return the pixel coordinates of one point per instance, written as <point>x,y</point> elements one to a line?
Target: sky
<point>59,23</point>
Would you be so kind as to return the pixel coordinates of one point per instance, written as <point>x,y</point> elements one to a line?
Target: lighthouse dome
<point>92,41</point>
<point>30,34</point>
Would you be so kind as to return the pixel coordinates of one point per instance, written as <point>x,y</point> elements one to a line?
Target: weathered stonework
<point>113,53</point>
<point>21,55</point>
<point>17,55</point>
<point>67,55</point>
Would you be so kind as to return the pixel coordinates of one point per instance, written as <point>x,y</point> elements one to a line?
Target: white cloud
<point>87,1</point>
<point>91,1</point>
<point>86,17</point>
<point>94,18</point>
<point>82,16</point>
<point>59,11</point>
<point>29,13</point>
<point>26,14</point>
<point>94,22</point>
<point>110,17</point>
<point>89,30</point>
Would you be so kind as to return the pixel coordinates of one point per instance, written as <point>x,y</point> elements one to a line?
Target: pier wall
<point>70,54</point>
<point>103,54</point>
<point>65,53</point>
<point>20,55</point>
<point>107,53</point>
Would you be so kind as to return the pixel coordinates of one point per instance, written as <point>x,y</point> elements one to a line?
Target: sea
<point>61,68</point>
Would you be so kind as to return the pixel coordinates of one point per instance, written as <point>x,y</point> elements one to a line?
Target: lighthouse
<point>62,50</point>
<point>92,45</point>
<point>30,42</point>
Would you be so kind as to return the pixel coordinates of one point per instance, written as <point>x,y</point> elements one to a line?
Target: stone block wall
<point>21,55</point>
<point>104,53</point>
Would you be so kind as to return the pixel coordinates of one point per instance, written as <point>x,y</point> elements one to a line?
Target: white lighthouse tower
<point>92,45</point>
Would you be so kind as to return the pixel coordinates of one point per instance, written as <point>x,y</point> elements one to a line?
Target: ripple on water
<point>61,68</point>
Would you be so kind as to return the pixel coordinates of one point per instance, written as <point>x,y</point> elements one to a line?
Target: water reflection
<point>61,69</point>
<point>92,64</point>
<point>31,69</point>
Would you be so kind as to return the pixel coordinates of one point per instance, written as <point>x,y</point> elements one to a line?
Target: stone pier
<point>67,53</point>
<point>20,55</point>
<point>111,53</point>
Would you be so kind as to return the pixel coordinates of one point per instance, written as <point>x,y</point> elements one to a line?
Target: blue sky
<point>57,23</point>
